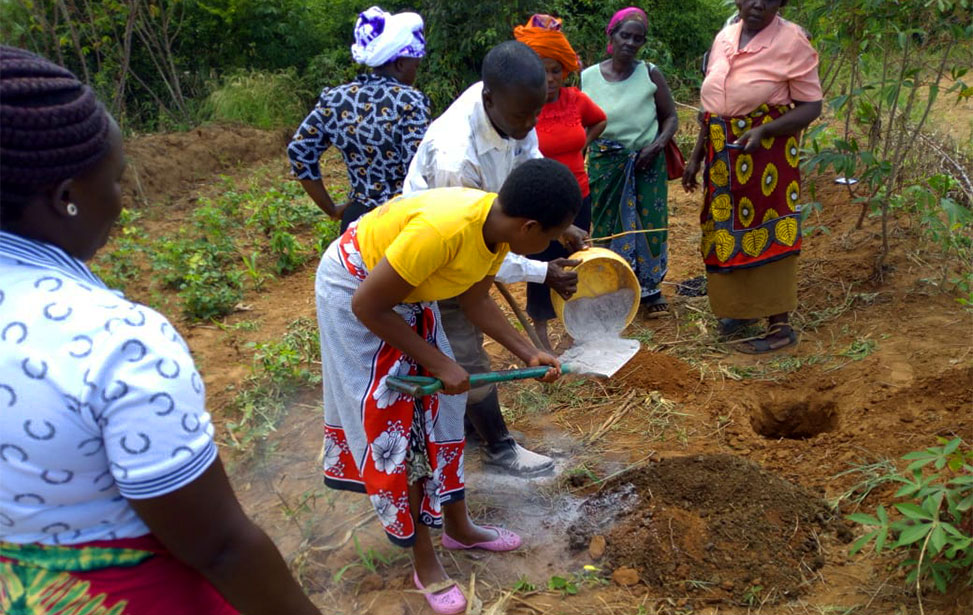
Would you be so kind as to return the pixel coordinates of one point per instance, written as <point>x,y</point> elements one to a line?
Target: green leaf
<point>937,539</point>
<point>863,519</point>
<point>957,547</point>
<point>965,504</point>
<point>920,455</point>
<point>950,529</point>
<point>913,511</point>
<point>913,534</point>
<point>906,490</point>
<point>859,544</point>
<point>880,539</point>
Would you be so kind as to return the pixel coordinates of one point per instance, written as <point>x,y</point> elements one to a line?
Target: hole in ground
<point>794,418</point>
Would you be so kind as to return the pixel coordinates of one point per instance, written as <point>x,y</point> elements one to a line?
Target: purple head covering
<point>631,13</point>
<point>381,37</point>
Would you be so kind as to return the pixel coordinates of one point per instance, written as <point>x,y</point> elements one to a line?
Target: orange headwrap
<point>542,33</point>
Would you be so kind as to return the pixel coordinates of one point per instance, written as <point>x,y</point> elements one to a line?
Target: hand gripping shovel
<point>418,386</point>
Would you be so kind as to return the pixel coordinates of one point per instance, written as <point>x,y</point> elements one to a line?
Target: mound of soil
<point>715,524</point>
<point>162,167</point>
<point>656,371</point>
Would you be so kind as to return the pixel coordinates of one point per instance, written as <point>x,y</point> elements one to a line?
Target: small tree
<point>883,70</point>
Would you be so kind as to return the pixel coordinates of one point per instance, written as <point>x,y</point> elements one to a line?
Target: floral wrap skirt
<point>368,427</point>
<point>625,199</point>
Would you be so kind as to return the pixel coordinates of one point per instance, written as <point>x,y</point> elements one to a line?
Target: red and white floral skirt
<point>367,426</point>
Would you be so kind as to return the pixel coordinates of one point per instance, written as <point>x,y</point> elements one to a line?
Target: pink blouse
<point>777,67</point>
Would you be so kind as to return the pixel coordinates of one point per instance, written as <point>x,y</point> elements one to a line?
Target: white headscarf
<point>382,37</point>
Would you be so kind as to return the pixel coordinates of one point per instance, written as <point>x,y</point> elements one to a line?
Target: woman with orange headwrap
<point>569,122</point>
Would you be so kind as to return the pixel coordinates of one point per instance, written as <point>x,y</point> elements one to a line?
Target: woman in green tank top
<point>626,167</point>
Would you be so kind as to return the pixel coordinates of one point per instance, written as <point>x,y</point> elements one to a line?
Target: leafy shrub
<point>278,211</point>
<point>282,207</point>
<point>331,67</point>
<point>200,263</point>
<point>935,532</point>
<point>119,266</point>
<point>326,231</point>
<point>259,98</point>
<point>207,291</point>
<point>288,250</point>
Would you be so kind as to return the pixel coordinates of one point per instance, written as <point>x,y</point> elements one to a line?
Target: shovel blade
<point>600,357</point>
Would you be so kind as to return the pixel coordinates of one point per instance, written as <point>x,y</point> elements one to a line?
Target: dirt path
<point>882,369</point>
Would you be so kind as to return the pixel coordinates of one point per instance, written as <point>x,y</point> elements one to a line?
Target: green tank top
<point>629,105</point>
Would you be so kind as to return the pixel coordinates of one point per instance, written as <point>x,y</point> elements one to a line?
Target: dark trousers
<point>354,211</point>
<point>482,404</point>
<point>539,305</point>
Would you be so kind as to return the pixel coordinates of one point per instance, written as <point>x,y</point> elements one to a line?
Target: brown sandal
<point>763,345</point>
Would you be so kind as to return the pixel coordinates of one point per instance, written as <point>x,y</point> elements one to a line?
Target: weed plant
<point>935,530</point>
<point>120,266</point>
<point>279,368</point>
<point>368,559</point>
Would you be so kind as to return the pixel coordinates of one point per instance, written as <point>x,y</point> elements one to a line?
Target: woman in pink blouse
<point>761,90</point>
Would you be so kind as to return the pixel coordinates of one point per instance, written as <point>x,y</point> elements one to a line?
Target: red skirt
<point>130,576</point>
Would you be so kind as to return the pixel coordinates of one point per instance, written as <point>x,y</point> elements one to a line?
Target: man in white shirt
<point>486,133</point>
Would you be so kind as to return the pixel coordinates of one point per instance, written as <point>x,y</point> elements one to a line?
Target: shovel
<point>418,386</point>
<point>601,357</point>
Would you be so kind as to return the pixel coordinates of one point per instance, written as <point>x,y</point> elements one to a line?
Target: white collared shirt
<point>462,148</point>
<point>100,402</point>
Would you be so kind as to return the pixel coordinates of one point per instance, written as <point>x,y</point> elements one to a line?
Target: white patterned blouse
<point>100,402</point>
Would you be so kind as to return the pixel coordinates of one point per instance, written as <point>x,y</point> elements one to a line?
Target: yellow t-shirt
<point>434,240</point>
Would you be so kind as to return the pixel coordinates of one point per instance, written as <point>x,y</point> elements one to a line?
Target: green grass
<point>259,98</point>
<point>859,349</point>
<point>870,476</point>
<point>370,560</point>
<point>279,369</point>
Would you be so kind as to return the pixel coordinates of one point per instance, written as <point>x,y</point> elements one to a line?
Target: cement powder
<point>599,317</point>
<point>604,356</point>
<point>596,323</point>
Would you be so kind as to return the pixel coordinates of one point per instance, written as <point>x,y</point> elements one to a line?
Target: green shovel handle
<point>419,386</point>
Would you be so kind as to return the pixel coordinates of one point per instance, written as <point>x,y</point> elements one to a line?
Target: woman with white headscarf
<point>376,121</point>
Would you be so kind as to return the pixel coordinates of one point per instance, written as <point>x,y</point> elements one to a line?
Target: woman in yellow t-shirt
<point>376,290</point>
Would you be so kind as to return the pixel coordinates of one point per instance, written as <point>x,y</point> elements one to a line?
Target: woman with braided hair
<point>113,498</point>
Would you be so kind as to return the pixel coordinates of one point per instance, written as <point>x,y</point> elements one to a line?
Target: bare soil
<point>731,484</point>
<point>657,371</point>
<point>716,526</point>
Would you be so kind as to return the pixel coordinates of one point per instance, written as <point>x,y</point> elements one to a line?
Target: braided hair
<point>52,128</point>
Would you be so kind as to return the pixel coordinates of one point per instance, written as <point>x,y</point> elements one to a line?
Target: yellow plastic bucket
<point>601,271</point>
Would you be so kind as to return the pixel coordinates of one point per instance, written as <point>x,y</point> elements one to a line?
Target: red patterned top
<point>561,131</point>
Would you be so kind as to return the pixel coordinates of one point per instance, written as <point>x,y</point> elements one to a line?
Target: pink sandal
<point>505,541</point>
<point>450,602</point>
